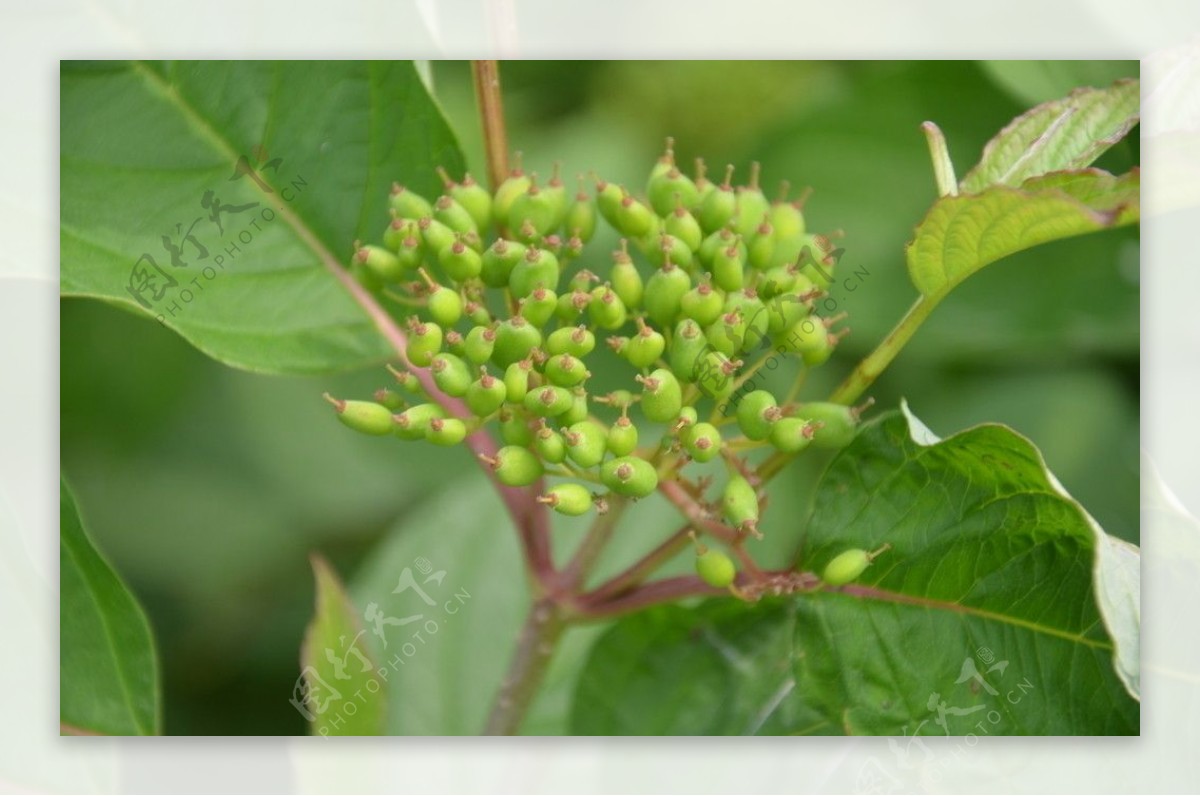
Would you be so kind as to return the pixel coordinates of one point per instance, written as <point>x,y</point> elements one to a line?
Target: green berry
<point>788,219</point>
<point>398,229</point>
<point>835,424</point>
<point>739,503</point>
<point>548,401</point>
<point>514,466</point>
<point>566,370</point>
<point>570,499</point>
<point>792,434</point>
<point>667,185</point>
<point>688,349</point>
<point>363,416</point>
<point>630,476</point>
<point>816,258</point>
<point>757,412</point>
<point>662,397</point>
<point>625,279</point>
<point>578,341</point>
<point>723,238</point>
<point>549,444</point>
<point>534,207</point>
<point>811,339</point>
<point>846,567</point>
<point>515,184</point>
<point>633,219</point>
<point>688,416</point>
<point>479,344</point>
<point>645,347</point>
<point>486,394</point>
<point>408,204</point>
<point>516,380</point>
<point>514,430</point>
<point>702,441</point>
<point>539,306</point>
<point>751,204</point>
<point>453,215</point>
<point>703,303</point>
<point>784,312</point>
<point>586,442</point>
<point>608,200</point>
<point>515,338</point>
<point>413,421</point>
<point>451,374</point>
<point>755,320</point>
<point>391,400</point>
<point>761,249</point>
<point>446,431</point>
<point>538,268</point>
<point>715,374</point>
<point>578,411</point>
<point>726,334</point>
<point>571,305</point>
<point>436,235</point>
<point>382,263</point>
<point>716,569</point>
<point>664,294</point>
<point>499,260</point>
<point>718,206</point>
<point>683,225</point>
<point>670,249</point>
<point>606,308</point>
<point>729,267</point>
<point>460,262</point>
<point>622,437</point>
<point>619,399</point>
<point>581,217</point>
<point>424,340</point>
<point>474,198</point>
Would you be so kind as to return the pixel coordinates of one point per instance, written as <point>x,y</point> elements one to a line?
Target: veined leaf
<point>999,601</point>
<point>108,675</point>
<point>1065,134</point>
<point>961,234</point>
<point>218,197</point>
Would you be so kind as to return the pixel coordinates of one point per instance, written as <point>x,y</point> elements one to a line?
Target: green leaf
<point>108,676</point>
<point>344,692</point>
<point>142,144</point>
<point>999,601</point>
<point>1060,135</point>
<point>962,234</point>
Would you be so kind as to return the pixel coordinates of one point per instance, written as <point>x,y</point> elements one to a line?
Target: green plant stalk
<point>870,368</point>
<point>535,647</point>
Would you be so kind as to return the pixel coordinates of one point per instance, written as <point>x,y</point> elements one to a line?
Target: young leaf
<point>961,234</point>
<point>998,602</point>
<point>219,197</point>
<point>1061,135</point>
<point>108,671</point>
<point>345,694</point>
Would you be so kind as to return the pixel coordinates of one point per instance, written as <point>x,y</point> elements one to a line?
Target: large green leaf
<point>344,692</point>
<point>142,145</point>
<point>108,675</point>
<point>1000,601</point>
<point>1065,134</point>
<point>962,234</point>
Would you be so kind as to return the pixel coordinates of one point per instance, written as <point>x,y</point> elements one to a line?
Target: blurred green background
<point>207,487</point>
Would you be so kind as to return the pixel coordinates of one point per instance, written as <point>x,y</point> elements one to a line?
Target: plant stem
<point>939,153</point>
<point>491,113</point>
<point>659,591</point>
<point>696,514</point>
<point>642,568</point>
<point>877,361</point>
<point>535,648</point>
<point>576,572</point>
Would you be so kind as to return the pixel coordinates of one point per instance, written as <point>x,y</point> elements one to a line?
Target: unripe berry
<point>499,260</point>
<point>397,230</point>
<point>538,268</point>
<point>757,412</point>
<point>391,400</point>
<point>539,306</point>
<point>847,566</point>
<point>723,238</point>
<point>436,235</point>
<point>716,569</point>
<point>752,205</point>
<point>662,397</point>
<point>792,434</point>
<point>586,443</point>
<point>702,441</point>
<point>424,340</point>
<point>688,416</point>
<point>761,249</point>
<point>486,394</point>
<point>453,215</point>
<point>565,370</point>
<point>572,305</point>
<point>703,303</point>
<point>479,344</point>
<point>473,197</point>
<point>514,430</point>
<point>570,499</point>
<point>837,424</point>
<point>622,437</point>
<point>739,503</point>
<point>515,338</point>
<point>446,431</point>
<point>536,208</point>
<point>718,206</point>
<point>630,476</point>
<point>414,421</point>
<point>451,374</point>
<point>683,225</point>
<point>515,184</point>
<point>784,312</point>
<point>688,349</point>
<point>606,308</point>
<point>811,339</point>
<point>645,347</point>
<point>715,374</point>
<point>664,294</point>
<point>726,334</point>
<point>754,318</point>
<point>578,341</point>
<point>578,411</point>
<point>633,219</point>
<point>618,399</point>
<point>548,401</point>
<point>408,204</point>
<point>363,416</point>
<point>816,259</point>
<point>381,262</point>
<point>581,217</point>
<point>625,279</point>
<point>460,261</point>
<point>729,267</point>
<point>667,185</point>
<point>608,200</point>
<point>514,466</point>
<point>549,444</point>
<point>516,380</point>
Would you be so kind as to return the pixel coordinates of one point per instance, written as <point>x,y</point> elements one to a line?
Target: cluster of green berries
<point>708,276</point>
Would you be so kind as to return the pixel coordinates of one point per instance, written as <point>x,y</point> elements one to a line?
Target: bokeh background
<point>207,487</point>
